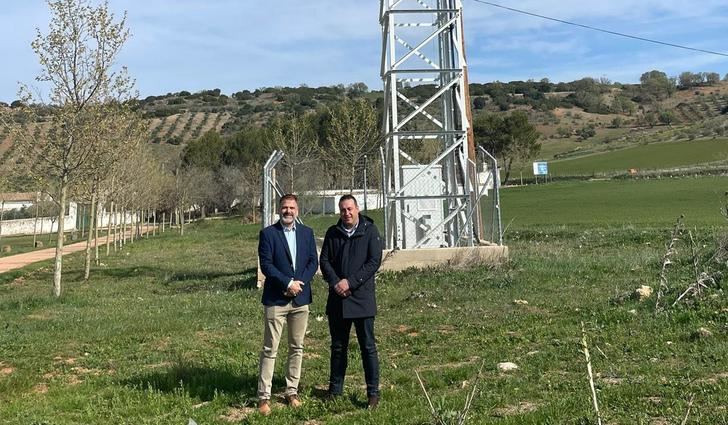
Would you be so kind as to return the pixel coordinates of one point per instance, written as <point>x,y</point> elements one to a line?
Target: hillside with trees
<point>213,130</point>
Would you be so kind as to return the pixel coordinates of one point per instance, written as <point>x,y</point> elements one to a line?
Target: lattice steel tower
<point>430,182</point>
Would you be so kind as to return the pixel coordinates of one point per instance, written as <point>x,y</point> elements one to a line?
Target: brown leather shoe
<point>264,407</point>
<point>293,401</point>
<point>372,402</point>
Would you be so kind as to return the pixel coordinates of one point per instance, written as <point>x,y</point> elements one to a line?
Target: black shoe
<point>372,402</point>
<point>331,397</point>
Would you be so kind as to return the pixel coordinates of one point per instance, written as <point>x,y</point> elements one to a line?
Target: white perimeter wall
<point>25,226</point>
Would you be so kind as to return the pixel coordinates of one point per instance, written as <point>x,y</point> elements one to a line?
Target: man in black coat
<point>350,256</point>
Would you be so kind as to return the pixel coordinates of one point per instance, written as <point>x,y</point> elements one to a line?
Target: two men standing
<point>350,256</point>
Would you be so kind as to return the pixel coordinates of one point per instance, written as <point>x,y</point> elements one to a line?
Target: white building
<point>28,226</point>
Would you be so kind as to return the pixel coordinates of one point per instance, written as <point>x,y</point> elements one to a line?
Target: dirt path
<point>13,262</point>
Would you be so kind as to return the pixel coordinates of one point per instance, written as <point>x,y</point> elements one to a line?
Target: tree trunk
<point>507,169</point>
<point>164,219</point>
<point>134,226</point>
<point>96,235</point>
<point>352,178</point>
<point>123,228</point>
<point>82,209</point>
<point>35,223</point>
<point>58,267</point>
<point>113,216</point>
<point>181,217</point>
<point>92,225</point>
<point>2,210</point>
<point>154,223</point>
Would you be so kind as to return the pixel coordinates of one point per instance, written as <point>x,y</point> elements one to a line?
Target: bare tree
<point>353,134</point>
<point>76,57</point>
<point>294,136</point>
<point>230,187</point>
<point>118,134</point>
<point>3,188</point>
<point>252,188</point>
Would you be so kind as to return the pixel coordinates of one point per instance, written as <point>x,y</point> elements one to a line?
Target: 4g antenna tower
<point>431,182</point>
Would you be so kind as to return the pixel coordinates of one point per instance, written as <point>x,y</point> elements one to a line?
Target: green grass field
<point>655,156</point>
<point>653,202</point>
<point>170,329</point>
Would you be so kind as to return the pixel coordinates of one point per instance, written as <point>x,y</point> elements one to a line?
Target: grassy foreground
<point>170,330</point>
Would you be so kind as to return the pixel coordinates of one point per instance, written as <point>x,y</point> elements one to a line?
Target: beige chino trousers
<point>274,319</point>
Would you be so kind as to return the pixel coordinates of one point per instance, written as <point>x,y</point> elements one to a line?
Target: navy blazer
<point>277,265</point>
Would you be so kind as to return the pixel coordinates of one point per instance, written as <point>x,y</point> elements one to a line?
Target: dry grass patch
<point>160,345</point>
<point>6,370</point>
<point>158,365</point>
<point>471,360</point>
<point>515,409</point>
<point>51,375</point>
<point>67,361</point>
<point>40,315</point>
<point>612,381</point>
<point>237,414</point>
<point>446,329</point>
<point>209,337</point>
<point>83,371</point>
<point>715,378</point>
<point>41,388</point>
<point>73,380</point>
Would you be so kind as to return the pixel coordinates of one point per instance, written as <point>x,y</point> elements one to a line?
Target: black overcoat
<point>356,258</point>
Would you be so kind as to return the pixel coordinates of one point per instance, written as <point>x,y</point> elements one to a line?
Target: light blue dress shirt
<point>290,235</point>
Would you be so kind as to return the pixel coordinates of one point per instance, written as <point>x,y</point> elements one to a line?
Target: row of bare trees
<point>333,157</point>
<point>94,150</point>
<point>324,149</point>
<point>94,146</point>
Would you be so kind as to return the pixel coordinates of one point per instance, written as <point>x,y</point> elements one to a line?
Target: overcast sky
<point>247,44</point>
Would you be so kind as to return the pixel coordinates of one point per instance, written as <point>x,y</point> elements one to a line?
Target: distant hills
<point>567,114</point>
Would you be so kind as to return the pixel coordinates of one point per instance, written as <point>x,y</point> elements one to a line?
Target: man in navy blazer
<point>288,259</point>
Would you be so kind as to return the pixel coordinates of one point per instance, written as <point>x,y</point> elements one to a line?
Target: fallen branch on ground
<point>585,349</point>
<point>664,284</point>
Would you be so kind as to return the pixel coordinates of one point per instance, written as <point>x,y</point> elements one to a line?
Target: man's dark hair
<point>347,197</point>
<point>288,197</point>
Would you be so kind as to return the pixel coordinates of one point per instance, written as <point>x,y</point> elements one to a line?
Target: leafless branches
<point>460,417</point>
<point>585,350</point>
<point>675,235</point>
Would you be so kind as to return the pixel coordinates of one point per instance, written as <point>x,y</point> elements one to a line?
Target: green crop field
<point>653,202</point>
<point>169,329</point>
<point>654,156</point>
